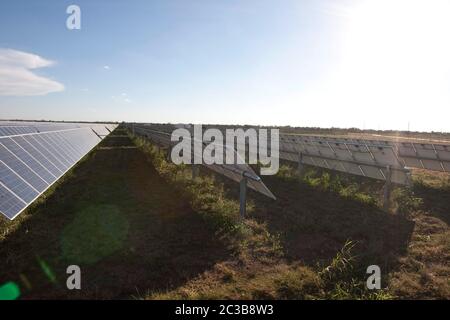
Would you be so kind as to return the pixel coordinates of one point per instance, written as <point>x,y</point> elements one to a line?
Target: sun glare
<point>393,65</point>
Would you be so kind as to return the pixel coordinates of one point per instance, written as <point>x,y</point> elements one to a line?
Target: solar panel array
<point>415,154</point>
<point>353,157</point>
<point>365,157</point>
<point>33,156</point>
<point>8,128</point>
<point>161,135</point>
<point>428,156</point>
<point>375,159</point>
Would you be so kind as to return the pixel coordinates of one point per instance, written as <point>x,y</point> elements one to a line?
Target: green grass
<point>328,182</point>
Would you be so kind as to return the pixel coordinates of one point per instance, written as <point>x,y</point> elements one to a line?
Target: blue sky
<point>367,63</point>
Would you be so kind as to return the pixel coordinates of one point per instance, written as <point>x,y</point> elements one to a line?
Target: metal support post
<point>195,171</point>
<point>300,164</point>
<point>169,154</point>
<point>99,136</point>
<point>243,196</point>
<point>387,189</point>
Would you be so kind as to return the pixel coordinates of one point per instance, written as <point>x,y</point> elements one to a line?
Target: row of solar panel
<point>365,153</point>
<point>356,158</point>
<point>365,157</point>
<point>12,130</point>
<point>31,163</point>
<point>64,125</point>
<point>234,172</point>
<point>430,156</point>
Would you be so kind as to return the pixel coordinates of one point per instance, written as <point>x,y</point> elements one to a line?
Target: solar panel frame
<point>50,153</point>
<point>350,156</point>
<point>234,172</point>
<point>429,156</point>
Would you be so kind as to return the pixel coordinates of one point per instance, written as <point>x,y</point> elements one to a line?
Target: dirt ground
<point>127,229</point>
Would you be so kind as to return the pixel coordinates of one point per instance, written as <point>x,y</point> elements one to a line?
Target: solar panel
<point>345,155</point>
<point>20,128</point>
<point>161,134</point>
<point>429,155</point>
<point>17,184</point>
<point>34,155</point>
<point>39,154</point>
<point>21,169</point>
<point>10,204</point>
<point>28,159</point>
<point>238,170</point>
<point>158,137</point>
<point>54,155</point>
<point>101,131</point>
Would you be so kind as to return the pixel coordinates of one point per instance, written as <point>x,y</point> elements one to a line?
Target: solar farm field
<point>141,227</point>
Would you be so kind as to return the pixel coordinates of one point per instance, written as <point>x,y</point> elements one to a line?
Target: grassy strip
<point>207,197</point>
<point>326,181</point>
<point>258,268</point>
<point>403,199</point>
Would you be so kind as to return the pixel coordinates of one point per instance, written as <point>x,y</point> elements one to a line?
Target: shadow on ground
<point>435,201</point>
<point>313,225</point>
<point>129,231</point>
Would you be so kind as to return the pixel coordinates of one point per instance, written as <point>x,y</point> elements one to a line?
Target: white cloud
<point>17,77</point>
<point>106,67</point>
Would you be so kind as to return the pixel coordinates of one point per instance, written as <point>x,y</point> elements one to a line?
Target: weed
<point>406,201</point>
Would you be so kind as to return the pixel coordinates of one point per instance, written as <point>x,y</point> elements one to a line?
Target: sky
<point>371,64</point>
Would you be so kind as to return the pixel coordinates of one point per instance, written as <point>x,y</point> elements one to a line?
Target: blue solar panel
<point>67,141</point>
<point>15,130</point>
<point>22,169</point>
<point>53,141</point>
<point>47,153</point>
<point>53,150</point>
<point>34,165</point>
<point>35,155</point>
<point>75,142</point>
<point>39,156</point>
<point>17,185</point>
<point>3,132</point>
<point>10,205</point>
